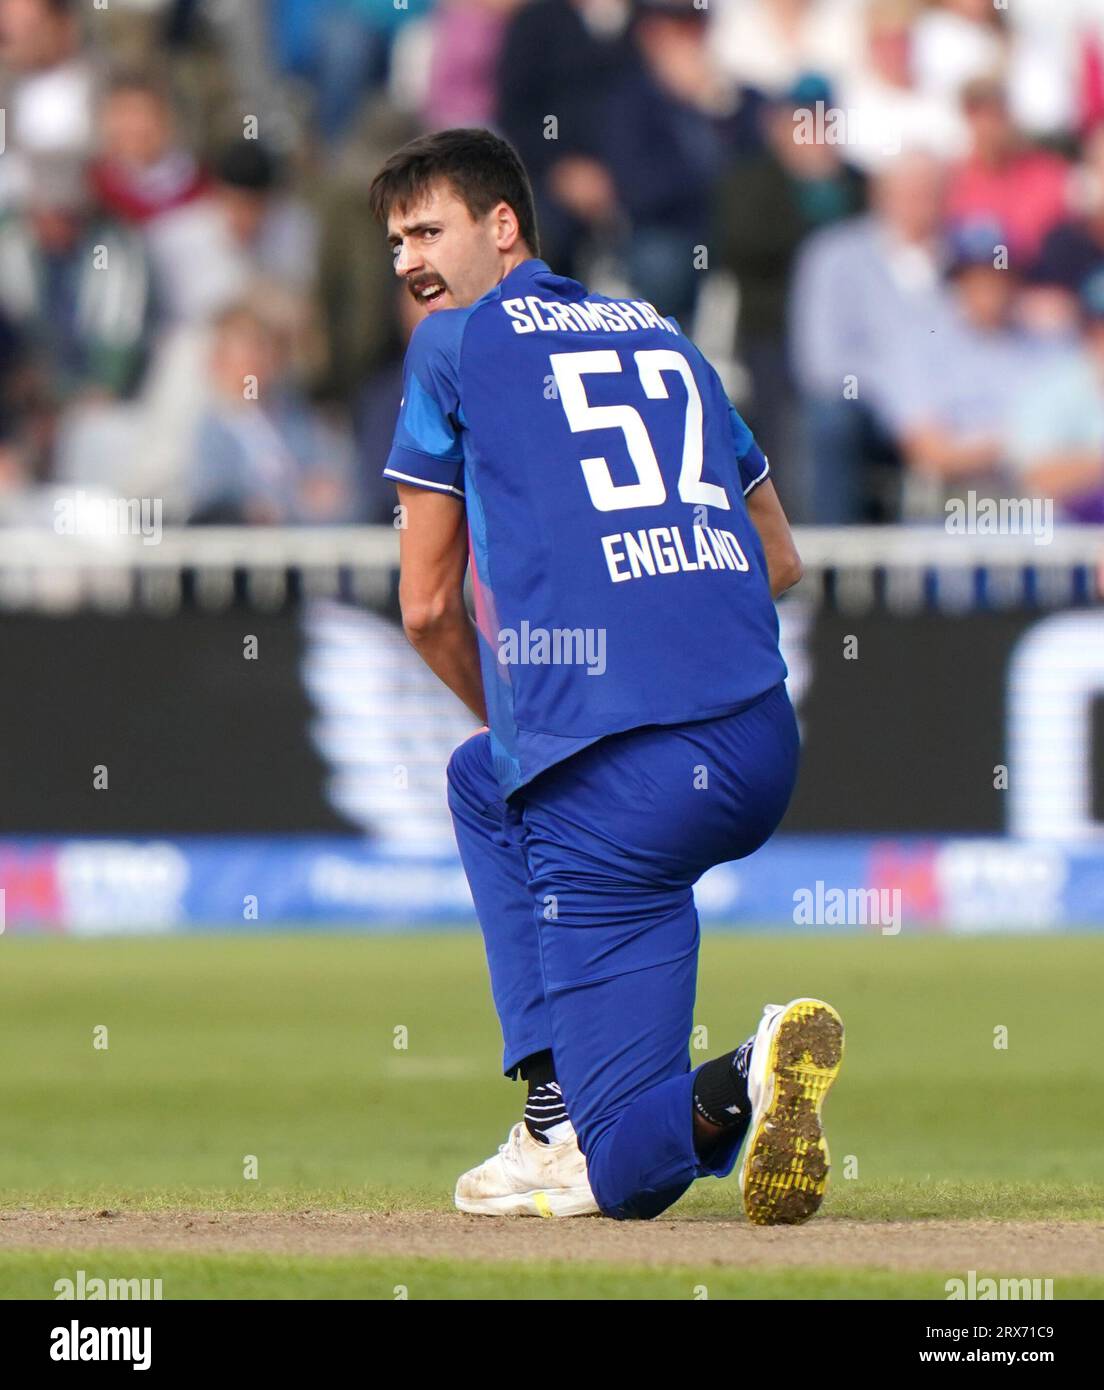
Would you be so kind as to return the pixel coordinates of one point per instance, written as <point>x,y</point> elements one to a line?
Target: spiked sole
<point>785,1170</point>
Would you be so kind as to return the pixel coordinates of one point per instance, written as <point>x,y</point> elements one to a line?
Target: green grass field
<point>31,1274</point>
<point>286,1048</point>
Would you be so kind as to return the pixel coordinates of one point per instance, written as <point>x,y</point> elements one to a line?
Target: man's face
<point>991,127</point>
<point>447,259</point>
<point>54,229</point>
<point>135,127</point>
<point>909,196</point>
<point>890,47</point>
<point>31,36</point>
<point>242,348</point>
<point>985,295</point>
<point>244,210</point>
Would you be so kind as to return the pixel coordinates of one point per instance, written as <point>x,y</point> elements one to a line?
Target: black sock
<point>720,1088</point>
<point>544,1106</point>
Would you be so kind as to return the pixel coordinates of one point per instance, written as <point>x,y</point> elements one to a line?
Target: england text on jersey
<point>662,550</point>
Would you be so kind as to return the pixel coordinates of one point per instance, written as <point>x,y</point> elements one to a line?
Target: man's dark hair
<point>147,81</point>
<point>482,168</point>
<point>247,165</point>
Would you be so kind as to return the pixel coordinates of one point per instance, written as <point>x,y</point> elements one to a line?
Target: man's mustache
<point>418,285</point>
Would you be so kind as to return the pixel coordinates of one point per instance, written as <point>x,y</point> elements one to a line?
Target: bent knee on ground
<point>619,1193</point>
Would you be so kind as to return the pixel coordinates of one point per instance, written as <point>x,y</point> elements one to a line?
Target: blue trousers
<point>583,885</point>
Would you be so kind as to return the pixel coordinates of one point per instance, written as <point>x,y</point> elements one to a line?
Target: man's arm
<point>433,549</point>
<point>763,507</point>
<point>935,452</point>
<point>784,568</point>
<point>1065,473</point>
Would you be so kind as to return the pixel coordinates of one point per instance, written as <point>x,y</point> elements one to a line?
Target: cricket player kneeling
<point>579,455</point>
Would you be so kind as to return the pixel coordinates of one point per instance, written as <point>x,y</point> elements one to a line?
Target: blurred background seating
<point>882,218</point>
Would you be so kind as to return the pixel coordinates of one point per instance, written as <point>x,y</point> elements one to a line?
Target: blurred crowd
<point>883,220</point>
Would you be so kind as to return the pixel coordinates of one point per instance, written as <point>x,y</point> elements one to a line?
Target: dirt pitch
<point>1022,1248</point>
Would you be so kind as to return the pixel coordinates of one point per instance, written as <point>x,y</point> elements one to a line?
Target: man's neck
<point>513,260</point>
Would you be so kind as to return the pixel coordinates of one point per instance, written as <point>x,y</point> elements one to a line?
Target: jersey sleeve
<point>751,461</point>
<point>427,450</point>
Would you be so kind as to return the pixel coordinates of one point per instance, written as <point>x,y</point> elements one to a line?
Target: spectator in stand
<point>661,140</point>
<point>766,206</point>
<point>76,285</point>
<point>355,292</point>
<point>374,415</point>
<point>1074,249</point>
<point>147,446</point>
<point>1004,179</point>
<point>273,228</point>
<point>208,252</point>
<point>963,381</point>
<point>864,293</point>
<point>1056,66</point>
<point>956,42</point>
<point>75,290</point>
<point>769,45</point>
<point>47,88</point>
<point>341,48</point>
<point>559,60</point>
<point>884,110</point>
<point>14,460</point>
<point>638,140</point>
<point>650,127</point>
<point>467,39</point>
<point>1071,252</point>
<point>142,170</point>
<point>262,455</point>
<point>1056,433</point>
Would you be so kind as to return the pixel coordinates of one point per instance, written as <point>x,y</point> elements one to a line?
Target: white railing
<point>307,547</point>
<point>43,570</point>
<point>182,547</point>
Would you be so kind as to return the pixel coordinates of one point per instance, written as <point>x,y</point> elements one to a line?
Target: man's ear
<point>507,230</point>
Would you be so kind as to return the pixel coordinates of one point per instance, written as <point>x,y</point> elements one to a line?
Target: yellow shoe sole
<point>785,1170</point>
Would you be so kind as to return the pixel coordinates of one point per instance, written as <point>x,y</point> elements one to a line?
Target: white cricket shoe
<point>528,1179</point>
<point>797,1055</point>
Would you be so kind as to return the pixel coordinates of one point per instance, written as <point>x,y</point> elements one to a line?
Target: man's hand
<point>934,452</point>
<point>584,187</point>
<point>433,548</point>
<point>784,568</point>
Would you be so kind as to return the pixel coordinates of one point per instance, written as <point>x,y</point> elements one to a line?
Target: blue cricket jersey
<point>618,581</point>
